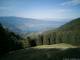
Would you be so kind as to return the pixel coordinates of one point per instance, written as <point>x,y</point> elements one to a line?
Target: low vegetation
<point>45,53</point>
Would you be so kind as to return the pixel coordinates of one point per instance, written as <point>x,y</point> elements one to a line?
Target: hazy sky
<point>41,9</point>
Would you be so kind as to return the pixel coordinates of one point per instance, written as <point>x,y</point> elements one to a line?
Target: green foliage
<point>8,41</point>
<point>68,33</point>
<point>71,26</point>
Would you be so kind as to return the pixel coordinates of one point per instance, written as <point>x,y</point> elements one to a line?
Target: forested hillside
<point>72,25</point>
<point>68,33</point>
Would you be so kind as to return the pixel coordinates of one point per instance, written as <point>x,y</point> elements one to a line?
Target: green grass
<point>61,46</point>
<point>35,53</point>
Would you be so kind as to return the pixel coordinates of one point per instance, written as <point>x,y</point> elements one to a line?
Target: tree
<point>8,41</point>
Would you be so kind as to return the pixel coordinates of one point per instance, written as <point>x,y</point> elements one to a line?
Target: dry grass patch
<point>57,46</point>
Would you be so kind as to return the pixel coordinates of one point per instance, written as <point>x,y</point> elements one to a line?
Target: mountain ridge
<point>19,24</point>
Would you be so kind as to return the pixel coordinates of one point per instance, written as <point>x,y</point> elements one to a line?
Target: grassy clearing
<point>57,46</point>
<point>45,52</point>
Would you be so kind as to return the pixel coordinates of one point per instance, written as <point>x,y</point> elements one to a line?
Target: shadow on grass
<point>43,54</point>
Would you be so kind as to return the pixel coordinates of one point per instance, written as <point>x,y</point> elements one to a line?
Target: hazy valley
<point>49,39</point>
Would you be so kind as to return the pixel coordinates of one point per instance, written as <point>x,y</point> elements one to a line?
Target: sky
<point>41,9</point>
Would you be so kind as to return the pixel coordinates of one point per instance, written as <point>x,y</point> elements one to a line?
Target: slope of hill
<point>67,33</point>
<point>73,25</point>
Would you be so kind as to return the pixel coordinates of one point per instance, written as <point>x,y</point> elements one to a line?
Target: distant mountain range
<point>27,25</point>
